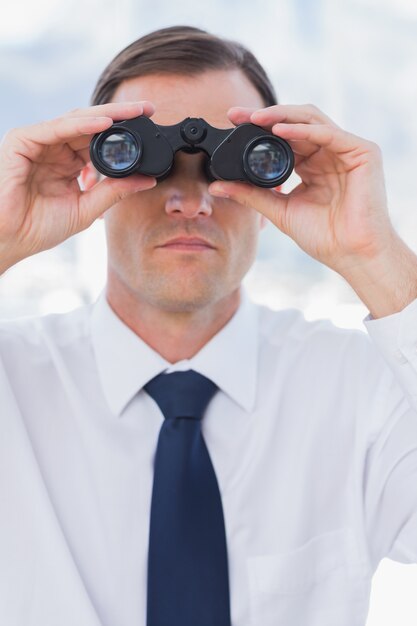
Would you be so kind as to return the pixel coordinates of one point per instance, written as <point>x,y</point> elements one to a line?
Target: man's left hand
<point>338,213</point>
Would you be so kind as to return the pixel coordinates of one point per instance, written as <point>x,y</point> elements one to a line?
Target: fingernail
<point>218,191</point>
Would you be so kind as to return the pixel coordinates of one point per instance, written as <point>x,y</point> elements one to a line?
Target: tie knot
<point>181,394</point>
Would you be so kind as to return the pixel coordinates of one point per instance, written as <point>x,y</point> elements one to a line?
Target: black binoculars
<point>245,152</point>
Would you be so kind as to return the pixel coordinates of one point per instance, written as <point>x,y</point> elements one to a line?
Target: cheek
<point>129,219</point>
<point>124,235</point>
<point>245,223</point>
<point>244,234</point>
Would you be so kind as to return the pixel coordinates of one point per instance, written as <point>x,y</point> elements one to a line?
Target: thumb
<point>107,192</point>
<point>270,202</point>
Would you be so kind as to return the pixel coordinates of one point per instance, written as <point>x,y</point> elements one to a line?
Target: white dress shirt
<point>313,437</point>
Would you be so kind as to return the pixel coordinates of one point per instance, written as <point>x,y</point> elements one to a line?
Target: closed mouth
<point>187,242</point>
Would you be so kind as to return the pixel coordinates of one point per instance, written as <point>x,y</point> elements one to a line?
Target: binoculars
<point>245,152</point>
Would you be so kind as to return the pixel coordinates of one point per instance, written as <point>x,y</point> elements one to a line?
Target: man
<point>308,445</point>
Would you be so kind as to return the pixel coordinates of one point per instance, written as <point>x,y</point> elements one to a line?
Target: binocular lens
<point>118,151</point>
<point>267,160</point>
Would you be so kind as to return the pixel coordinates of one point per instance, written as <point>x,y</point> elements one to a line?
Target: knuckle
<point>44,126</point>
<point>73,113</point>
<point>374,148</point>
<point>10,135</point>
<point>16,132</point>
<point>45,123</point>
<point>312,110</point>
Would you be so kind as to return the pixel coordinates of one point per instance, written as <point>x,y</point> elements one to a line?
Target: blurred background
<point>354,59</point>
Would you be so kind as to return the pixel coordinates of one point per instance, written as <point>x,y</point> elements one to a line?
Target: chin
<point>184,296</point>
<point>183,302</point>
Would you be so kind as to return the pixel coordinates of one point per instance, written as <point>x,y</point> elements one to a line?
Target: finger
<point>59,131</point>
<point>278,113</point>
<point>128,112</point>
<point>240,115</point>
<point>321,135</point>
<point>303,148</point>
<point>109,191</point>
<point>298,160</point>
<point>80,144</point>
<point>84,154</point>
<point>115,110</point>
<point>269,202</point>
<point>292,114</point>
<point>70,127</point>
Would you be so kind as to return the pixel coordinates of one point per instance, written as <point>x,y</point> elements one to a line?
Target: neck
<point>174,335</point>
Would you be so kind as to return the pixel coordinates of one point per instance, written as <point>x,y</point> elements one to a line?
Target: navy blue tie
<point>188,583</point>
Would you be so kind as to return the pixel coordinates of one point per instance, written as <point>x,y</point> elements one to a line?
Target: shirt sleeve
<point>390,472</point>
<point>395,336</point>
<point>390,481</point>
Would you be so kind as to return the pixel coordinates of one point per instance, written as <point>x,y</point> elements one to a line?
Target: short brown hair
<point>181,50</point>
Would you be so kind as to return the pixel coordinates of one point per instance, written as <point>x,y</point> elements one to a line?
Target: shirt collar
<point>126,363</point>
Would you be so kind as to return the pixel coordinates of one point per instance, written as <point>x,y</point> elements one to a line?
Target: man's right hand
<point>41,203</point>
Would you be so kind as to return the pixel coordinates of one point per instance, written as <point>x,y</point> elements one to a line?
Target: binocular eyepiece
<point>245,153</point>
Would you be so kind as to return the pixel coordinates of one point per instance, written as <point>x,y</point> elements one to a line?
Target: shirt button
<point>400,357</point>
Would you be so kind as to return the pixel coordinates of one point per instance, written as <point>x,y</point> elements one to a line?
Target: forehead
<point>208,95</point>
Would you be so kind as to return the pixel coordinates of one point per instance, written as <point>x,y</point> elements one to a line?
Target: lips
<point>187,242</point>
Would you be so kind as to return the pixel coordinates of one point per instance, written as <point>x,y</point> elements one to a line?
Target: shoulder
<point>35,333</point>
<point>277,326</point>
<point>324,359</point>
<point>288,332</point>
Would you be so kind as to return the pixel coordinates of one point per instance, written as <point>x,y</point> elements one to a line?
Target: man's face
<point>141,260</point>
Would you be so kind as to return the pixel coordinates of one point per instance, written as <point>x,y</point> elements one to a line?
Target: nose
<point>189,203</point>
<point>186,187</point>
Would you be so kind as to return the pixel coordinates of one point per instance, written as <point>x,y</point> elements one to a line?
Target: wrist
<point>7,261</point>
<point>387,281</point>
